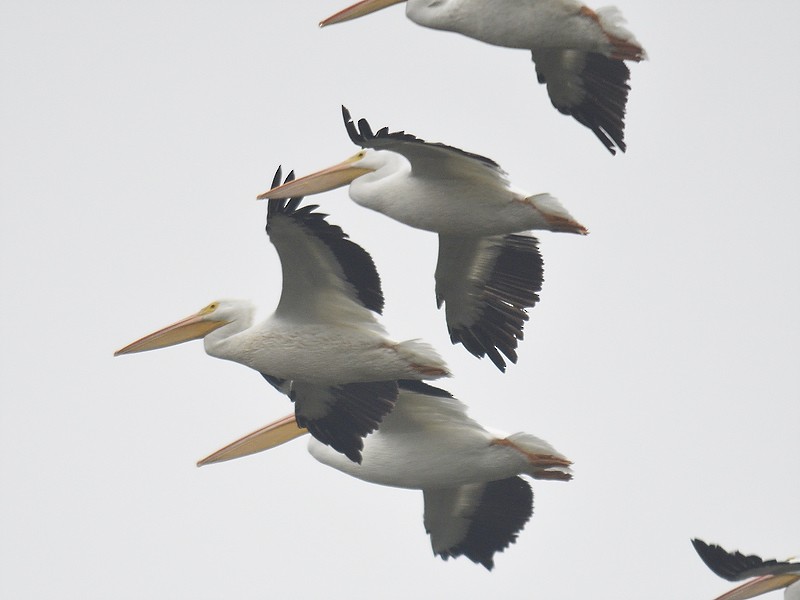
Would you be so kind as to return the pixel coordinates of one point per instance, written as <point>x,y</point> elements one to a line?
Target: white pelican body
<point>578,52</point>
<point>320,353</point>
<point>323,345</point>
<point>763,575</point>
<point>523,24</point>
<point>487,272</point>
<point>475,503</point>
<point>429,442</point>
<point>485,204</point>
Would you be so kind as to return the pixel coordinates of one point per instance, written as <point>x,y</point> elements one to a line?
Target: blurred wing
<point>477,520</point>
<point>427,159</point>
<point>326,277</point>
<point>590,87</point>
<point>341,415</point>
<point>486,283</point>
<point>735,566</point>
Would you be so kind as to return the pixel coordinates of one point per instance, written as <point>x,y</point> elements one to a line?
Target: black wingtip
<point>281,205</point>
<point>356,410</point>
<point>352,132</point>
<point>505,507</point>
<point>603,111</point>
<point>514,285</point>
<point>276,180</point>
<point>420,387</point>
<point>605,87</point>
<point>365,129</point>
<point>733,566</point>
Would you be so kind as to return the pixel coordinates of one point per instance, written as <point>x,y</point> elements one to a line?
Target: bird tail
<point>556,217</point>
<point>624,46</point>
<point>423,358</point>
<point>545,461</point>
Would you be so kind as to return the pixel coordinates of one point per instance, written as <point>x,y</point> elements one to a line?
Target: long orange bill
<point>359,9</point>
<point>272,435</point>
<point>321,181</point>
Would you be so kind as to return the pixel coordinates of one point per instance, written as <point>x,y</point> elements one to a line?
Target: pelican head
<point>361,163</point>
<point>359,9</point>
<point>194,327</point>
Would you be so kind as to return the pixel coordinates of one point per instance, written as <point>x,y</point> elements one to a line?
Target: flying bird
<point>323,345</point>
<point>475,502</point>
<point>489,270</point>
<point>579,53</point>
<point>764,575</point>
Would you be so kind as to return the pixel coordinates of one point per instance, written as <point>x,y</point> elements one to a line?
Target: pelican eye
<point>357,156</point>
<point>210,308</point>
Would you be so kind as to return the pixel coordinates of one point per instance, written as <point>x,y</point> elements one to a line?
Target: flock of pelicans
<point>361,395</point>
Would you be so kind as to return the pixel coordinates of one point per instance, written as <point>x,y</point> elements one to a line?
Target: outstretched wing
<point>326,277</point>
<point>590,87</point>
<point>428,159</point>
<point>477,520</point>
<point>735,566</point>
<point>486,283</point>
<point>341,415</point>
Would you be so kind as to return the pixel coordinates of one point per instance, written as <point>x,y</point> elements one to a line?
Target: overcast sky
<point>662,358</point>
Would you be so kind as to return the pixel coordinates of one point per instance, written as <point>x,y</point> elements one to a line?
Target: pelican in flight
<point>764,575</point>
<point>323,345</point>
<point>488,271</point>
<point>475,502</point>
<point>579,53</point>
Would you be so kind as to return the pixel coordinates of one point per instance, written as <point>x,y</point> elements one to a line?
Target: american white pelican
<point>487,272</point>
<point>767,575</point>
<point>579,53</point>
<point>323,345</point>
<point>475,503</point>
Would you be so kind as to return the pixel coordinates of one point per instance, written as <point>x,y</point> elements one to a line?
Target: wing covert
<point>421,406</point>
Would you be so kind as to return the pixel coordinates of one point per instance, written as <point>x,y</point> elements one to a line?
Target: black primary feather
<point>735,566</point>
<point>504,508</point>
<point>513,285</point>
<point>420,387</point>
<point>357,265</point>
<point>355,410</point>
<point>605,86</point>
<point>364,137</point>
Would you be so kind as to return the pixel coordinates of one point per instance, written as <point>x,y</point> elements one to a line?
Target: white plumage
<point>489,270</point>
<point>475,501</point>
<point>579,53</point>
<point>323,345</point>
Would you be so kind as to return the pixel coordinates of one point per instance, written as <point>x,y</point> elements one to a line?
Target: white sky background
<point>662,359</point>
